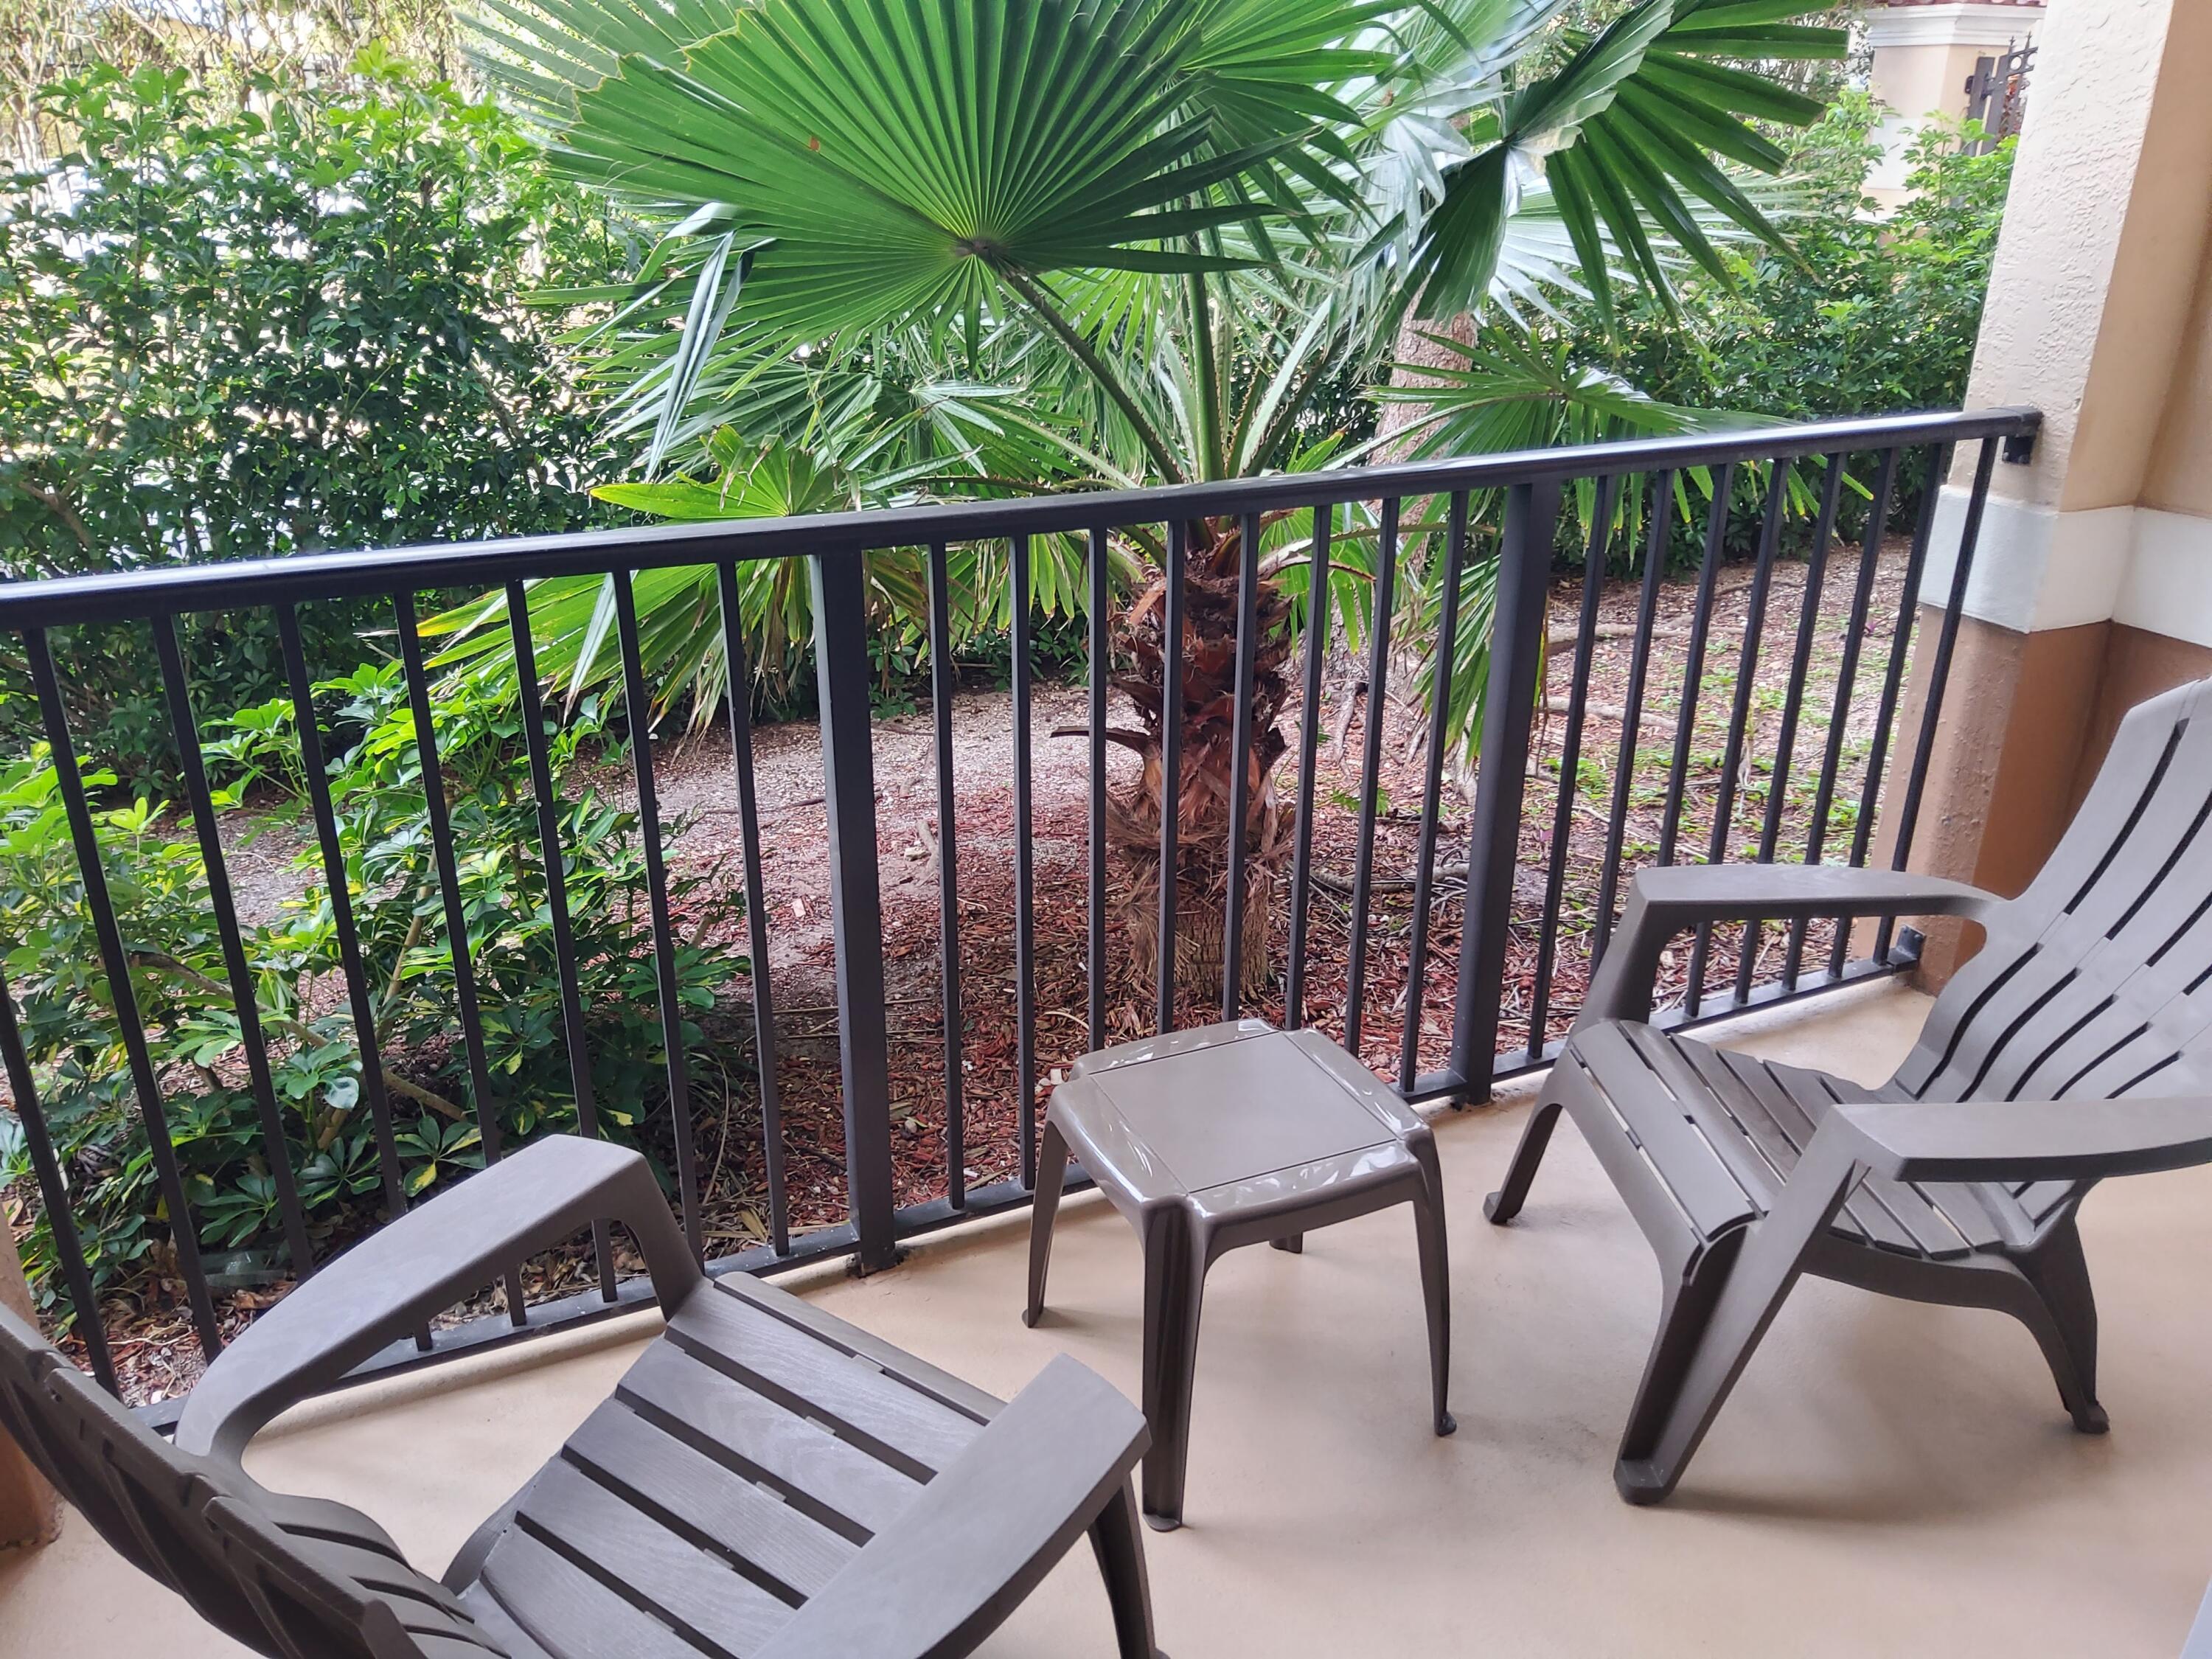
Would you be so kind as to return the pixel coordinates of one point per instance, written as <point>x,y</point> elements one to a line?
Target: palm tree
<point>941,246</point>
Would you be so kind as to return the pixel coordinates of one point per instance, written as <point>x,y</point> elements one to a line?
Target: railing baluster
<point>1432,786</point>
<point>53,1193</point>
<point>1785,741</point>
<point>457,919</point>
<point>639,710</point>
<point>1570,757</point>
<point>1694,663</point>
<point>1832,757</point>
<point>848,778</point>
<point>1516,645</point>
<point>941,680</point>
<point>1939,671</point>
<point>837,553</point>
<point>115,958</point>
<point>553,859</point>
<point>1371,766</point>
<point>1024,875</point>
<point>1317,634</point>
<point>1892,685</point>
<point>1171,712</point>
<point>1240,764</point>
<point>741,762</point>
<point>1101,673</point>
<point>1746,669</point>
<point>1631,715</point>
<point>245,1001</point>
<point>316,770</point>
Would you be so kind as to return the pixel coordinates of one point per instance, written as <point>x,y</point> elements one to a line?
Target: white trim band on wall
<point>2036,568</point>
<point>1956,25</point>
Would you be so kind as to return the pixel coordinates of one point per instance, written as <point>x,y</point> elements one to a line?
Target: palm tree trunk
<point>1417,349</point>
<point>1205,709</point>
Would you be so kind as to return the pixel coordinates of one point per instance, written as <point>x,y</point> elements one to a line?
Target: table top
<point>1205,1110</point>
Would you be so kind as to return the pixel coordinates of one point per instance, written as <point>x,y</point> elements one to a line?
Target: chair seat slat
<point>869,1406</point>
<point>699,1595</point>
<point>621,1449</point>
<point>567,1611</point>
<point>805,1459</point>
<point>1679,1151</point>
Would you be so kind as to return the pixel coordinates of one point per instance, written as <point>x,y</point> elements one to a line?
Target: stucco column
<point>1923,54</point>
<point>30,1514</point>
<point>2095,316</point>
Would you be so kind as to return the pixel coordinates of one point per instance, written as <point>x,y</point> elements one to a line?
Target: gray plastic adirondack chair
<point>766,1480</point>
<point>2075,1045</point>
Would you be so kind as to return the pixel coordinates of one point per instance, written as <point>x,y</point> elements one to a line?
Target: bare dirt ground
<point>695,780</point>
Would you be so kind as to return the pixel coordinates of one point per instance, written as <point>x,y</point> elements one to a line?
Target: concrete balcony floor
<point>1888,1479</point>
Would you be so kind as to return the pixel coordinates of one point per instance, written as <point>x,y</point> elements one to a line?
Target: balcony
<point>1889,1478</point>
<point>1929,691</point>
<point>1886,1466</point>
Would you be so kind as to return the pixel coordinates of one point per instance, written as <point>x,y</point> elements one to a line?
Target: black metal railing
<point>1532,912</point>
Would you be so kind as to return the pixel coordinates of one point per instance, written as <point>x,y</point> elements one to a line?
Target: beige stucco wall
<point>30,1514</point>
<point>2179,477</point>
<point>2098,271</point>
<point>2091,585</point>
<point>1929,80</point>
<point>1922,56</point>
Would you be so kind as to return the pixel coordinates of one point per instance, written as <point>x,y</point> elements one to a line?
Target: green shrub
<point>159,891</point>
<point>1873,315</point>
<point>233,331</point>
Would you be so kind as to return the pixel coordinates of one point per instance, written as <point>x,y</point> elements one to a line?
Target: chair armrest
<point>386,1285</point>
<point>2028,1140</point>
<point>1664,902</point>
<point>983,1533</point>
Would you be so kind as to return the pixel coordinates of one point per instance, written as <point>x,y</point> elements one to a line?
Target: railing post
<point>848,778</point>
<point>1517,644</point>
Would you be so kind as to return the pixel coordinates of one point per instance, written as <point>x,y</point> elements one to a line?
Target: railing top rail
<point>175,589</point>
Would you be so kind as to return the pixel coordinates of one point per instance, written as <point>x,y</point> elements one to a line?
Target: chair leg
<point>1713,1321</point>
<point>1052,1171</point>
<point>1174,1282</point>
<point>1120,1548</point>
<point>1502,1206</point>
<point>2062,1313</point>
<point>1436,1282</point>
<point>1686,1311</point>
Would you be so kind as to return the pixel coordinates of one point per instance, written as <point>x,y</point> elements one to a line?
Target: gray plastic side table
<point>1221,1137</point>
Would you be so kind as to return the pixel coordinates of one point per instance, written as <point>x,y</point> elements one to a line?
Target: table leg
<point>1052,1171</point>
<point>1175,1283</point>
<point>1436,1277</point>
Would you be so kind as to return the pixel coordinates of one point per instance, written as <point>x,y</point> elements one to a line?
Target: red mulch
<point>153,1346</point>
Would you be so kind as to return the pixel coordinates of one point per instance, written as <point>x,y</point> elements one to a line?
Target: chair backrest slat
<point>2092,983</point>
<point>293,1578</point>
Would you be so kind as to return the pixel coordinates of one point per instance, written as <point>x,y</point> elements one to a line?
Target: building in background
<point>1928,59</point>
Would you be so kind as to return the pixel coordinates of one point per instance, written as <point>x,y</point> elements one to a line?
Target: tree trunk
<point>1206,711</point>
<point>1416,350</point>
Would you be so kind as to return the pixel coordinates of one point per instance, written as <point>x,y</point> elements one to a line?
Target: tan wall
<point>30,1514</point>
<point>2129,402</point>
<point>1916,80</point>
<point>2016,711</point>
<point>2138,664</point>
<point>2098,276</point>
<point>2100,313</point>
<point>2180,474</point>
